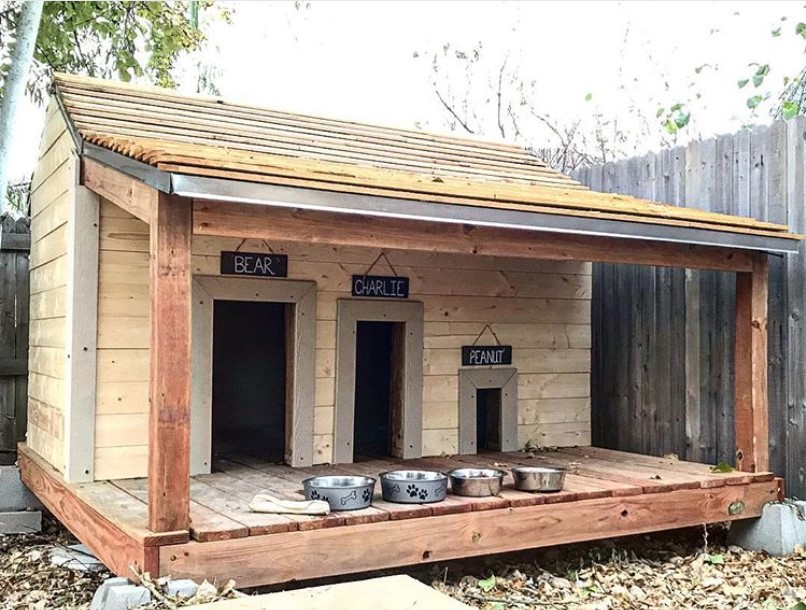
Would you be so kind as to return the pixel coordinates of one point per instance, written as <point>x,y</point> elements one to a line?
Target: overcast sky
<point>356,60</point>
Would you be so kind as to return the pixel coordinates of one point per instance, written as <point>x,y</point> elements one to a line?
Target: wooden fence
<point>14,246</point>
<point>663,338</point>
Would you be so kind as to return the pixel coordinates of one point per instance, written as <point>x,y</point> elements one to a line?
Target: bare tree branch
<point>450,109</point>
<point>500,96</point>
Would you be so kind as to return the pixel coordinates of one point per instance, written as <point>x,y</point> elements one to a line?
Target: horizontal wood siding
<point>52,187</point>
<point>121,417</point>
<point>542,308</point>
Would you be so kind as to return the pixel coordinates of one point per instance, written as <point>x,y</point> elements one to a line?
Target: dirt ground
<point>681,569</point>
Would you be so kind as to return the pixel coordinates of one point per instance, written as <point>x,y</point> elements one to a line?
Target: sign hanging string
<point>383,256</point>
<point>263,241</point>
<point>492,332</point>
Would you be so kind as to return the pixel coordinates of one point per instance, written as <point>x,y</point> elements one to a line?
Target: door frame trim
<point>471,380</point>
<point>348,313</point>
<point>301,351</point>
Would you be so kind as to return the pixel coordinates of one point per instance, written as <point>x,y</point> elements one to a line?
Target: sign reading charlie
<point>380,286</point>
<point>257,264</point>
<point>486,355</point>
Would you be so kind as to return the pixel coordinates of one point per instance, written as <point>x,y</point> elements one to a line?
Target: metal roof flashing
<point>236,191</point>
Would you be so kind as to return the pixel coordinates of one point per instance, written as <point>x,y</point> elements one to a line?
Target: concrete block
<point>126,597</point>
<point>14,495</point>
<point>76,557</point>
<point>21,522</point>
<point>781,527</point>
<point>99,599</point>
<point>182,588</point>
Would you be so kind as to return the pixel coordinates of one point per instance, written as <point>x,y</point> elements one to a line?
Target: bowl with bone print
<point>414,486</point>
<point>340,492</point>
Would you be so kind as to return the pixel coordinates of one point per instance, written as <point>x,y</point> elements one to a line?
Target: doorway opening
<point>249,395</point>
<point>378,389</point>
<point>488,419</point>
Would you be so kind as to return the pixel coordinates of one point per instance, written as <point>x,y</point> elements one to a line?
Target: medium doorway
<point>249,380</point>
<point>378,391</point>
<point>488,419</point>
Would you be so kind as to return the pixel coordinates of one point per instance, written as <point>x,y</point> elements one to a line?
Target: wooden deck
<point>607,493</point>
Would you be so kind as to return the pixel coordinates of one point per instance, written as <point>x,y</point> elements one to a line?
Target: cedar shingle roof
<point>204,136</point>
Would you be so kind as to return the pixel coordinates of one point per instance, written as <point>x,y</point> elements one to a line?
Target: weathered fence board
<point>14,288</point>
<point>663,339</point>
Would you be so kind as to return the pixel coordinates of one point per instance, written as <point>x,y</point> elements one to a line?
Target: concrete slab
<point>14,495</point>
<point>781,527</point>
<point>21,522</point>
<point>386,593</point>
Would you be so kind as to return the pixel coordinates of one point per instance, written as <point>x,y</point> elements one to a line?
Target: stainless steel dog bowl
<point>341,492</point>
<point>414,486</point>
<point>539,478</point>
<point>476,482</point>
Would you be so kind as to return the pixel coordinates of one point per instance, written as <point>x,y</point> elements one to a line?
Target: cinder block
<point>182,588</point>
<point>99,599</point>
<point>126,597</point>
<point>76,557</point>
<point>14,495</point>
<point>781,527</point>
<point>21,522</point>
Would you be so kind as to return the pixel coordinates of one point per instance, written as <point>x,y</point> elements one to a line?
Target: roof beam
<point>124,191</point>
<point>230,219</point>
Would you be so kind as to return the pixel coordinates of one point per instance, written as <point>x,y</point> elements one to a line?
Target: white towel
<point>266,503</point>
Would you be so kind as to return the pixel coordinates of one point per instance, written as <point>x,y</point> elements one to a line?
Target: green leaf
<point>716,560</point>
<point>488,584</point>
<point>671,127</point>
<point>724,466</point>
<point>799,606</point>
<point>753,102</point>
<point>682,119</point>
<point>660,112</point>
<point>742,83</point>
<point>800,29</point>
<point>776,32</point>
<point>676,107</point>
<point>588,97</point>
<point>789,110</point>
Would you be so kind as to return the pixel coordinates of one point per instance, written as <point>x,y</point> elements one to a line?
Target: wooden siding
<point>121,417</point>
<point>542,308</point>
<point>52,189</point>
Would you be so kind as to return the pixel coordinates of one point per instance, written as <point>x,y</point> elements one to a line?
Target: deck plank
<point>735,477</point>
<point>206,524</point>
<point>246,481</point>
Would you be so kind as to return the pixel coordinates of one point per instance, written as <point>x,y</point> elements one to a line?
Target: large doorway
<point>249,380</point>
<point>378,375</point>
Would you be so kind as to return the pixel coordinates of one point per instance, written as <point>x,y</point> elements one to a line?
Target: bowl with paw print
<point>414,486</point>
<point>341,492</point>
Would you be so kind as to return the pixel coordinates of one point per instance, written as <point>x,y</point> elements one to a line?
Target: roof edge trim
<point>237,191</point>
<point>152,176</point>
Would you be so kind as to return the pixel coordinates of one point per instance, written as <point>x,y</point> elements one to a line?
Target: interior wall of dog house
<point>540,308</point>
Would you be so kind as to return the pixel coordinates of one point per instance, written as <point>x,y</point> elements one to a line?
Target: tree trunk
<point>22,55</point>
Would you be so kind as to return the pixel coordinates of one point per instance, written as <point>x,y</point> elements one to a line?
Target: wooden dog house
<point>226,299</point>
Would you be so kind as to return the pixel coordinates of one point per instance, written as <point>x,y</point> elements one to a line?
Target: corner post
<point>169,418</point>
<point>752,427</point>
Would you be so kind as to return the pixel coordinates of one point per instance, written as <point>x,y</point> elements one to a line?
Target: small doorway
<point>378,391</point>
<point>488,410</point>
<point>249,380</point>
<point>488,419</point>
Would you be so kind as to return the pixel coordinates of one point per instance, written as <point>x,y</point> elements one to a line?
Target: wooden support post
<point>752,442</point>
<point>169,427</point>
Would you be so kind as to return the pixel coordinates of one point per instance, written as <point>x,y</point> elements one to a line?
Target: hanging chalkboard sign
<point>256,264</point>
<point>380,286</point>
<point>486,355</point>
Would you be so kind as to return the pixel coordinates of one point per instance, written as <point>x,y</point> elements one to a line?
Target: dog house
<point>226,299</point>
